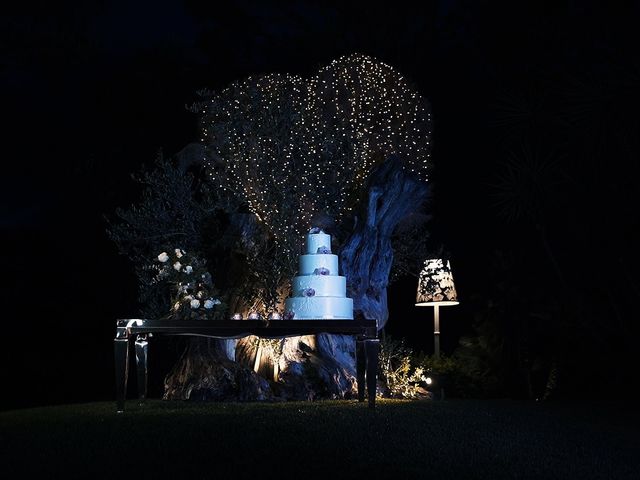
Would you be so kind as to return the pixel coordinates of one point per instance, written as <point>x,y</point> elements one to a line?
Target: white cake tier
<point>324,286</point>
<point>317,240</point>
<point>308,263</point>
<point>320,308</point>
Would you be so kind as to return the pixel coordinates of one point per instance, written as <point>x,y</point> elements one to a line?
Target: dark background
<point>92,91</point>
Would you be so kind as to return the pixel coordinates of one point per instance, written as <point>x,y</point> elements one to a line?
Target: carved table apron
<point>138,331</point>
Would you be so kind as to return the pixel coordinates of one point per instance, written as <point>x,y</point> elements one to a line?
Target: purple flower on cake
<point>308,292</point>
<point>288,315</point>
<point>323,250</point>
<point>316,230</point>
<point>254,316</point>
<point>321,271</point>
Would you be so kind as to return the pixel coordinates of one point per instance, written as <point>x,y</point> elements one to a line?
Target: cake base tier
<point>311,308</point>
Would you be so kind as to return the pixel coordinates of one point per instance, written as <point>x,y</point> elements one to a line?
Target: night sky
<point>93,91</point>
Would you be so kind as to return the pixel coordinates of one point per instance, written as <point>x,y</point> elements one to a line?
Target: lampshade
<point>435,285</point>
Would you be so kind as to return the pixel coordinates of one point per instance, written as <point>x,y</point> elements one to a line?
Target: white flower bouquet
<point>193,292</point>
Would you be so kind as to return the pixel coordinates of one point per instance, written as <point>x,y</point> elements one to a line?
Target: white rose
<point>209,304</point>
<point>195,303</point>
<point>188,269</point>
<point>177,266</point>
<point>217,302</point>
<point>179,252</point>
<point>163,257</point>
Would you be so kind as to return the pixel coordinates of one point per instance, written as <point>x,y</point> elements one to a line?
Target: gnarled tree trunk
<point>204,372</point>
<point>366,260</point>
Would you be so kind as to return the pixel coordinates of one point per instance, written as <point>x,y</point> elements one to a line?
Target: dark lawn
<point>333,439</point>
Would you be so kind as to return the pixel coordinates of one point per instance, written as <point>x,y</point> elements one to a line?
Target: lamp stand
<point>436,331</point>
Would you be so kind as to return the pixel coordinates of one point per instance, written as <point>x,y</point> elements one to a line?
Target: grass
<point>332,439</point>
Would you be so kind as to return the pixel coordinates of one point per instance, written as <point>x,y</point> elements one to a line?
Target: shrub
<point>399,375</point>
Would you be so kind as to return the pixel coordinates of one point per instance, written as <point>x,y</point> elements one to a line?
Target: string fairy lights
<point>291,148</point>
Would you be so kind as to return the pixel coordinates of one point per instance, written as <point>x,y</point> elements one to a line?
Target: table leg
<point>142,346</point>
<point>361,365</point>
<point>372,348</point>
<point>121,357</point>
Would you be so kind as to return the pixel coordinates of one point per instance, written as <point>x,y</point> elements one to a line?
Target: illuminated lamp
<point>436,288</point>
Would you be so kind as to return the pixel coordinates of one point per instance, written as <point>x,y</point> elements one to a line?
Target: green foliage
<point>194,296</point>
<point>174,209</point>
<point>469,373</point>
<point>297,152</point>
<point>178,210</point>
<point>291,148</point>
<point>512,350</point>
<point>461,377</point>
<point>400,377</point>
<point>479,359</point>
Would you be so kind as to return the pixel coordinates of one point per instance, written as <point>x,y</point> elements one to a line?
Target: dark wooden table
<point>138,332</point>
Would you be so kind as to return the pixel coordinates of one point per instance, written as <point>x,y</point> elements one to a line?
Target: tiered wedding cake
<point>318,290</point>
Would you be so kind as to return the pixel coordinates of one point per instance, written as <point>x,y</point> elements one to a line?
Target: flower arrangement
<point>324,250</point>
<point>308,292</point>
<point>288,315</point>
<point>315,230</point>
<point>321,271</point>
<point>194,296</point>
